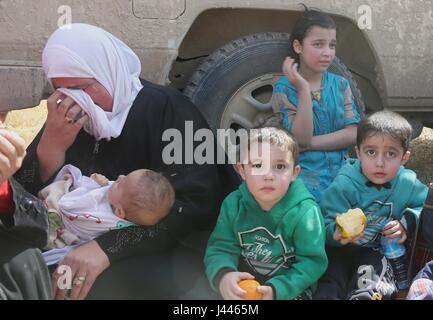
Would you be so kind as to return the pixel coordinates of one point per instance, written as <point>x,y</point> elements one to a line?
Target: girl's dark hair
<point>305,22</point>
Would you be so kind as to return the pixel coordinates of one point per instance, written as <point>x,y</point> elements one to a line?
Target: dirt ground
<point>421,160</point>
<point>29,121</point>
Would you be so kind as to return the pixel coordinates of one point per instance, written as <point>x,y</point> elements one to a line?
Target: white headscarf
<point>85,51</point>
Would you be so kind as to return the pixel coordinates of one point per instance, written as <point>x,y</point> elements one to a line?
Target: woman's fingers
<point>64,106</point>
<point>73,112</point>
<point>90,279</point>
<point>53,100</point>
<point>61,289</point>
<point>87,262</point>
<point>79,281</point>
<point>81,121</point>
<point>62,127</point>
<point>59,104</point>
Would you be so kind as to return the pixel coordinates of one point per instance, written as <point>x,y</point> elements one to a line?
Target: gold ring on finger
<point>79,280</point>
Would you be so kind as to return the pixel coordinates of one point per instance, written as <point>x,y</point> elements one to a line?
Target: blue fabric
<point>319,168</point>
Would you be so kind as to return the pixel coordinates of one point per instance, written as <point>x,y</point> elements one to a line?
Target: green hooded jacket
<point>283,247</point>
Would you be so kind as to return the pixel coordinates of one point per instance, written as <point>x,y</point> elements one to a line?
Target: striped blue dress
<point>332,111</point>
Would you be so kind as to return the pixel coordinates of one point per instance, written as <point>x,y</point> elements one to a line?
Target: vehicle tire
<point>233,86</point>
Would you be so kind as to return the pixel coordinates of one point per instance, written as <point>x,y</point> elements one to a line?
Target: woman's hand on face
<point>12,153</point>
<point>86,263</point>
<point>290,70</point>
<point>65,119</point>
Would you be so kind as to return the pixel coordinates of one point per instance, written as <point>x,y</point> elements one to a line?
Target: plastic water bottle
<point>395,253</point>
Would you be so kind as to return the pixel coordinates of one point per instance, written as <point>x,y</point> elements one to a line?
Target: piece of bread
<point>351,223</point>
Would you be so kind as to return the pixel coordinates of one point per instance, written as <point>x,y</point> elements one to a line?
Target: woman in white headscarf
<point>102,118</point>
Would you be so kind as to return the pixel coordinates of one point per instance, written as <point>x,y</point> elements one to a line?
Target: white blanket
<point>85,210</point>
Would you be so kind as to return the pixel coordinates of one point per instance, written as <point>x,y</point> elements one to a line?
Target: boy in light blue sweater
<point>390,196</point>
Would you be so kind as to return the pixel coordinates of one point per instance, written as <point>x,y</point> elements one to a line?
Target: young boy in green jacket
<point>271,228</point>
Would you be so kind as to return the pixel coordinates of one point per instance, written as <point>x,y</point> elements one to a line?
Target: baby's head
<point>143,197</point>
<point>268,164</point>
<point>382,145</point>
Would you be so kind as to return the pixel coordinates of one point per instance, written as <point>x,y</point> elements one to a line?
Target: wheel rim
<point>250,103</point>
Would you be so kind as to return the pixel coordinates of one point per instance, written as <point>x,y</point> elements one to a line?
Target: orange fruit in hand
<point>250,286</point>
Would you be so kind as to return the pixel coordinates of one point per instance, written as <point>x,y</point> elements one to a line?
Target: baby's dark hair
<point>276,136</point>
<point>309,19</point>
<point>386,123</point>
<point>153,193</point>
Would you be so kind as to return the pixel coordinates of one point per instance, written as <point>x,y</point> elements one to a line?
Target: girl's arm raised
<point>302,127</point>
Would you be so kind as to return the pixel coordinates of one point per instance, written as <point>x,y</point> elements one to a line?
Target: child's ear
<point>241,170</point>
<point>120,212</point>
<point>405,158</point>
<point>297,46</point>
<point>296,171</point>
<point>357,152</point>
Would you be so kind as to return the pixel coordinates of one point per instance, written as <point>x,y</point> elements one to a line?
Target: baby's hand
<point>394,229</point>
<point>268,293</point>
<point>228,286</point>
<point>100,179</point>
